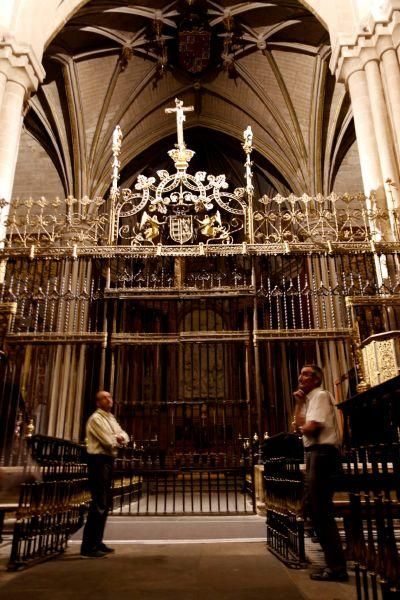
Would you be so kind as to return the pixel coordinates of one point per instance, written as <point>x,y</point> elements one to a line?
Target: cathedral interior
<point>197,199</point>
<point>117,65</point>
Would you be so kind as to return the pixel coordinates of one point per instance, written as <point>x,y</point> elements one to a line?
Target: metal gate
<point>183,491</point>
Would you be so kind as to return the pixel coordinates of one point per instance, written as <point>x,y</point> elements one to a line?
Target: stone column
<point>20,75</point>
<point>373,50</point>
<point>368,148</point>
<point>383,133</point>
<point>365,132</point>
<point>10,131</point>
<point>3,81</point>
<point>391,73</point>
<point>380,118</point>
<point>396,39</point>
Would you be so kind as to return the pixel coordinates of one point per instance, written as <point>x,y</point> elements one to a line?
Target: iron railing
<point>50,508</point>
<point>181,492</point>
<point>150,483</point>
<point>283,500</point>
<point>37,223</point>
<point>371,477</point>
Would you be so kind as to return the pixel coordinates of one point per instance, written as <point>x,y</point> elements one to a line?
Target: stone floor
<point>186,558</point>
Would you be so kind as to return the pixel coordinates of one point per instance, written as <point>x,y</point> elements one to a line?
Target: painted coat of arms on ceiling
<point>194,43</point>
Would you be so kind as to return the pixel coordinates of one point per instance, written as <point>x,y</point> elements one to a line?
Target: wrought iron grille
<point>195,305</point>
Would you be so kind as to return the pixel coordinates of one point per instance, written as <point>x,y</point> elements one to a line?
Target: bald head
<point>104,400</point>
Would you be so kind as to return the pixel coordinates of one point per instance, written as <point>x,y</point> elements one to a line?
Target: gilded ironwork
<point>118,339</point>
<point>319,220</point>
<point>387,300</point>
<point>183,214</point>
<point>304,334</point>
<point>128,279</point>
<point>387,359</point>
<point>199,207</point>
<point>56,338</point>
<point>181,207</point>
<point>195,292</point>
<point>381,355</point>
<point>206,219</point>
<point>46,223</point>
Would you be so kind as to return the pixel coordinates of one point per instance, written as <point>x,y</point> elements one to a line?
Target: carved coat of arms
<point>194,50</point>
<point>181,228</point>
<point>194,42</point>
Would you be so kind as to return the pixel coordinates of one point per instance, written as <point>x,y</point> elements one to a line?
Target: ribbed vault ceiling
<point>116,62</point>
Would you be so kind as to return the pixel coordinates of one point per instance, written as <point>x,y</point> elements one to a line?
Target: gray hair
<point>316,370</point>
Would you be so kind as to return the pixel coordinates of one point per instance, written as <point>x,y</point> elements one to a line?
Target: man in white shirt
<point>315,417</point>
<point>104,436</point>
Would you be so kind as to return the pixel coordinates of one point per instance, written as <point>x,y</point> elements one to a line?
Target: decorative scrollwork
<point>319,220</point>
<point>182,209</point>
<point>183,213</point>
<point>42,223</point>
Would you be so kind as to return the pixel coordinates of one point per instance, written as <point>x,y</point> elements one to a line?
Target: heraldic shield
<point>194,50</point>
<point>181,228</point>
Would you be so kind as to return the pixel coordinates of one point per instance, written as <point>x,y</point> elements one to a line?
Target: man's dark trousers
<point>100,472</point>
<point>322,464</point>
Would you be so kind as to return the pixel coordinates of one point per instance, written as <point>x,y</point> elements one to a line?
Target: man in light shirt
<point>104,436</point>
<point>315,418</point>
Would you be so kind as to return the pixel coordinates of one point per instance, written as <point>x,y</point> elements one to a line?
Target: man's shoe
<point>94,554</point>
<point>329,575</point>
<point>105,549</point>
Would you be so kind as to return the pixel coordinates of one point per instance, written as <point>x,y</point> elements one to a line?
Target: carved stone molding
<point>19,63</point>
<point>366,44</point>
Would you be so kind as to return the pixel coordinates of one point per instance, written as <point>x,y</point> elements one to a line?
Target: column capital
<point>349,65</point>
<point>379,33</point>
<point>19,63</point>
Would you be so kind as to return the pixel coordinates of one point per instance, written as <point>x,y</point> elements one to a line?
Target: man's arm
<point>308,428</point>
<point>121,436</point>
<point>97,429</point>
<point>311,428</point>
<point>316,414</point>
<point>299,416</point>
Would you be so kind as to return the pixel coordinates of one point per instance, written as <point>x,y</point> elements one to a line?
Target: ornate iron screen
<point>194,304</point>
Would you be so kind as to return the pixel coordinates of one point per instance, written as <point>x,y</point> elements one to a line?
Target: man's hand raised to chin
<point>300,396</point>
